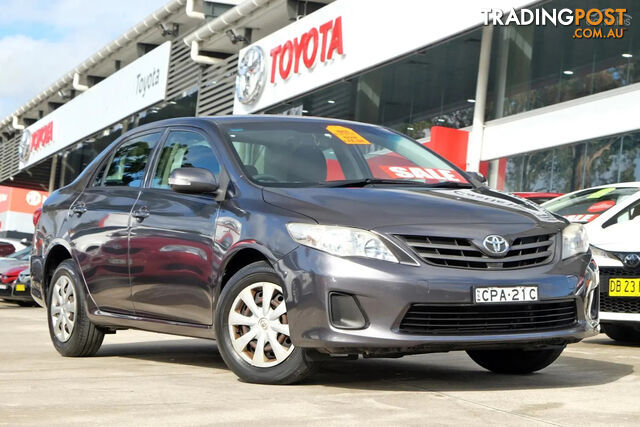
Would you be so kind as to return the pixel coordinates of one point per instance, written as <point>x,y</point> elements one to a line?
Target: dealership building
<point>531,106</point>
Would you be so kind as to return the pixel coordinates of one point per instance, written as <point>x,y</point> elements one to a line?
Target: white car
<point>611,216</point>
<point>19,244</point>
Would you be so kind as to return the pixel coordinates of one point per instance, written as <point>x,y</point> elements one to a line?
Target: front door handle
<point>141,214</point>
<point>79,208</point>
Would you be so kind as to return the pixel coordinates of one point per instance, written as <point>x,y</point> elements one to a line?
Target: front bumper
<point>16,292</point>
<point>617,309</point>
<point>384,291</point>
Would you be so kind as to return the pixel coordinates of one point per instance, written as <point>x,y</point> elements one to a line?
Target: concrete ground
<point>150,379</point>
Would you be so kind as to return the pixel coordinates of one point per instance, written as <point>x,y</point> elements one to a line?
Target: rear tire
<point>622,333</point>
<point>71,331</point>
<point>516,361</point>
<point>253,339</point>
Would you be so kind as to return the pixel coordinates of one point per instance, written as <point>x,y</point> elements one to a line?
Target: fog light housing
<point>345,312</point>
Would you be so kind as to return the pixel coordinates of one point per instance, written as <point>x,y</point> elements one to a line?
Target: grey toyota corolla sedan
<point>296,240</point>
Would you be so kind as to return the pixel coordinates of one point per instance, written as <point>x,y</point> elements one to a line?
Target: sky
<point>40,40</point>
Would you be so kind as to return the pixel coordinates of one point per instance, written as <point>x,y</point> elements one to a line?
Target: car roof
<point>633,184</point>
<point>257,118</point>
<point>618,184</point>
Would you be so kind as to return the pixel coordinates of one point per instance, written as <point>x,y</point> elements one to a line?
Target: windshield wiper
<point>371,181</point>
<point>450,184</point>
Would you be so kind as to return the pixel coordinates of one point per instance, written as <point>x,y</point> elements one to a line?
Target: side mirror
<point>477,176</point>
<point>193,181</point>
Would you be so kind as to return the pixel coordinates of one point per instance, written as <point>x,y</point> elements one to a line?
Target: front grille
<point>445,319</point>
<point>617,304</point>
<point>462,253</point>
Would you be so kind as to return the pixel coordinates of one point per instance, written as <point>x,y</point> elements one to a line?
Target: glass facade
<point>433,86</point>
<point>571,167</point>
<point>536,66</point>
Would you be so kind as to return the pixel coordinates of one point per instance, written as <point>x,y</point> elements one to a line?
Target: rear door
<point>171,241</point>
<point>99,222</point>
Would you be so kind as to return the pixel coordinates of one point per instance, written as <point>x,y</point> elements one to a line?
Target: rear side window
<point>630,213</point>
<point>127,166</point>
<point>184,149</point>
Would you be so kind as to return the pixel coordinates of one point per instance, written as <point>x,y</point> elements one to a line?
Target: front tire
<point>71,331</point>
<point>622,333</point>
<point>252,329</point>
<point>516,361</point>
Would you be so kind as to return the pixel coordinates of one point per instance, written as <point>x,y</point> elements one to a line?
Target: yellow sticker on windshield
<point>601,193</point>
<point>348,136</point>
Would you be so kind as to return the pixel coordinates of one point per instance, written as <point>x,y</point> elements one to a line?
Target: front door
<point>171,239</point>
<point>99,223</point>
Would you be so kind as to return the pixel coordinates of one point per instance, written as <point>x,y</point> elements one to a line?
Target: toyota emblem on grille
<point>496,245</point>
<point>632,260</point>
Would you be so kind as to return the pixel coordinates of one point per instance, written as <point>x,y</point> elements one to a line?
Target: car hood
<point>617,238</point>
<point>383,207</point>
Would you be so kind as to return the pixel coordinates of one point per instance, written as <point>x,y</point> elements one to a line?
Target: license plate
<point>4,287</point>
<point>20,288</point>
<point>506,294</point>
<point>624,287</point>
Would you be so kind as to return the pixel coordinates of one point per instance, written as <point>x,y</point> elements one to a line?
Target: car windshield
<point>317,153</point>
<point>585,206</point>
<point>22,254</point>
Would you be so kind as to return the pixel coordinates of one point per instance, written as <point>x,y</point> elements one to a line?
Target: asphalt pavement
<point>141,378</point>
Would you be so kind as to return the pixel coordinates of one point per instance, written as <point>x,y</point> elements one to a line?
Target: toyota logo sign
<point>496,245</point>
<point>251,75</point>
<point>632,260</point>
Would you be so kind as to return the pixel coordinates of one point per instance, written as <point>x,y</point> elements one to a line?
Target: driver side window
<point>184,149</point>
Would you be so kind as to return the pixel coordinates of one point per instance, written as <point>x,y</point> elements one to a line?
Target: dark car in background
<point>231,229</point>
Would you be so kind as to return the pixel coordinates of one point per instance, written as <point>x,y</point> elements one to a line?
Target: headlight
<point>574,241</point>
<point>341,241</point>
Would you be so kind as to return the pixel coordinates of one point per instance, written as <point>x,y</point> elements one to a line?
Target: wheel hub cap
<point>63,308</point>
<point>258,325</point>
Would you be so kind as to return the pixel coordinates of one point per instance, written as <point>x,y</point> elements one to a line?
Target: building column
<point>52,174</point>
<point>474,149</point>
<point>63,167</point>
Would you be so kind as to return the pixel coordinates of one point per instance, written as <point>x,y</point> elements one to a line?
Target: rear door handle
<point>79,208</point>
<point>141,213</point>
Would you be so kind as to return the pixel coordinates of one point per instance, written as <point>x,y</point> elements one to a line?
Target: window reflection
<point>536,66</point>
<point>572,167</point>
<point>434,86</point>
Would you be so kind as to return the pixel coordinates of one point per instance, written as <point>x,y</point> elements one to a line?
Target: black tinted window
<point>184,149</point>
<point>129,161</point>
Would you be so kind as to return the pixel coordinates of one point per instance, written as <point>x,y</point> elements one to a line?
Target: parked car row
<point>295,240</point>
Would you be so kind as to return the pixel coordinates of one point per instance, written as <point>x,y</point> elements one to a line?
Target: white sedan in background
<point>611,216</point>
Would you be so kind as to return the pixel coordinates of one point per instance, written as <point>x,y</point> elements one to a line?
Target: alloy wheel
<point>258,325</point>
<point>63,308</point>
